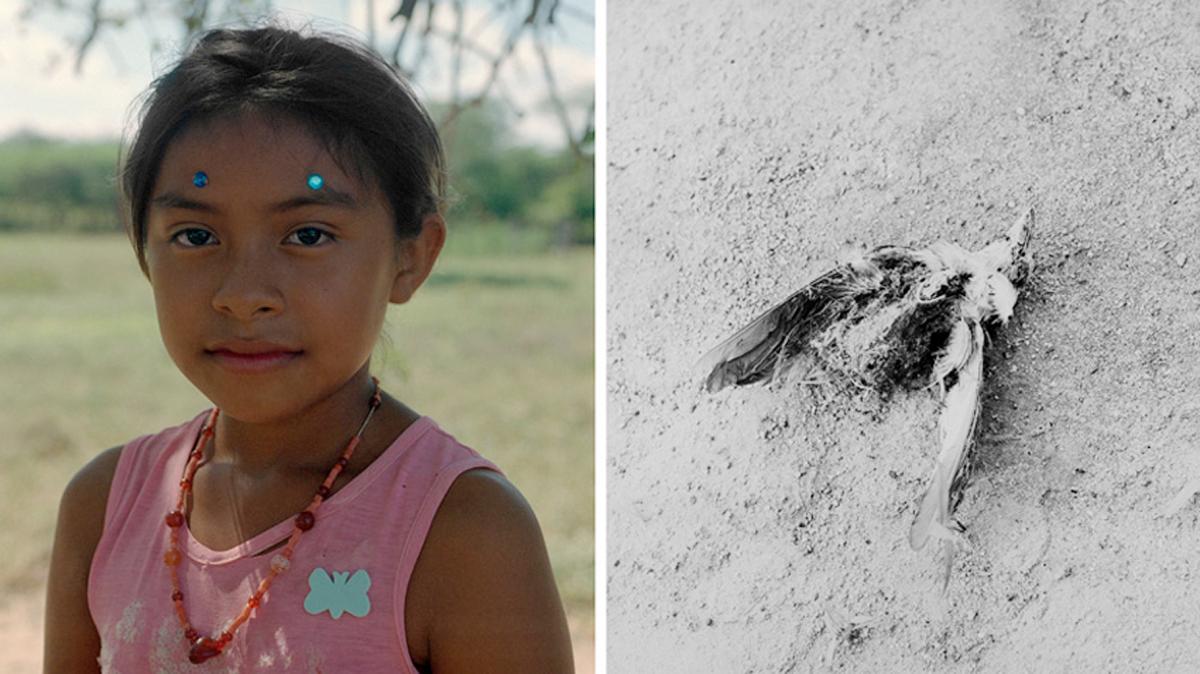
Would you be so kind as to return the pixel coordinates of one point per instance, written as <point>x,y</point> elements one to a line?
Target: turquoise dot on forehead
<point>315,181</point>
<point>200,179</point>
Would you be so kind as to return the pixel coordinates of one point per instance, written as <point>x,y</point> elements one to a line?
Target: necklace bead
<point>204,648</point>
<point>305,521</point>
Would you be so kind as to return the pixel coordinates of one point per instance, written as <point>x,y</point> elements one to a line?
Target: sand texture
<point>764,529</point>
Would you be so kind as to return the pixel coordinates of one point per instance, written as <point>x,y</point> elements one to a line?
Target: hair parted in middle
<point>350,99</point>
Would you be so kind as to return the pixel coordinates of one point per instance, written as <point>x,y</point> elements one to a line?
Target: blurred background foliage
<point>476,55</point>
<point>536,198</point>
<point>494,181</point>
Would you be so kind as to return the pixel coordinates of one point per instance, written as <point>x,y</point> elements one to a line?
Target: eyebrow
<point>327,196</point>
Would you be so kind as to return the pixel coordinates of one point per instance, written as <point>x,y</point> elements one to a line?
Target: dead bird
<point>896,318</point>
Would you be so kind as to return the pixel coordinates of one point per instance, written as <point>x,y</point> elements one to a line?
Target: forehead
<point>250,157</point>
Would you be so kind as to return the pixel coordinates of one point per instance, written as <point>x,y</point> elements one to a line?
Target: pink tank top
<point>338,608</point>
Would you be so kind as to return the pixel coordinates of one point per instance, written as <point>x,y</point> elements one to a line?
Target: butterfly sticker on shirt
<point>338,593</point>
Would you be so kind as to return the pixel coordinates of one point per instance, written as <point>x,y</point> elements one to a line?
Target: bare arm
<point>72,643</point>
<point>482,597</point>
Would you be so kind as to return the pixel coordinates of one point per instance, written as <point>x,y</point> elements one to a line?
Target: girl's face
<point>270,294</point>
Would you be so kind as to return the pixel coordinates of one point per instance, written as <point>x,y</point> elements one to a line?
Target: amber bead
<point>171,558</point>
<point>203,650</point>
<point>175,519</point>
<point>305,521</point>
<point>176,596</point>
<point>253,602</point>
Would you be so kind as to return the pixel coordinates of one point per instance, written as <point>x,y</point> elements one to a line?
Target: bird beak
<point>1018,248</point>
<point>1018,236</point>
<point>1010,255</point>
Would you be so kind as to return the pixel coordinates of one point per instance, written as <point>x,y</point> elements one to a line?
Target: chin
<point>254,402</point>
<point>256,413</point>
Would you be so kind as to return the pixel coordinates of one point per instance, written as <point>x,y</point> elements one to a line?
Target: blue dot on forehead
<point>200,179</point>
<point>315,181</point>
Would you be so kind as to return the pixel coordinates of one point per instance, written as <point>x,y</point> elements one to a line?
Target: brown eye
<point>309,237</point>
<point>193,237</point>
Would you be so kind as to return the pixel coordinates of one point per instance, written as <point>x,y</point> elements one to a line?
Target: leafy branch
<point>419,37</point>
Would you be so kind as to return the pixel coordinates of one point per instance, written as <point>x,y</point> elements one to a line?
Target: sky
<point>40,90</point>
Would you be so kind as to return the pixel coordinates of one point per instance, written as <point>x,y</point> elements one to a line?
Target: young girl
<point>281,191</point>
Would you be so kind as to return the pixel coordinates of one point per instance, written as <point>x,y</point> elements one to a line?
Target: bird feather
<point>771,340</point>
<point>1002,297</point>
<point>956,353</point>
<point>960,411</point>
<point>756,351</point>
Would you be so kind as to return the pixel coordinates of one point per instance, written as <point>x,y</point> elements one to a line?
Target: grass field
<point>498,348</point>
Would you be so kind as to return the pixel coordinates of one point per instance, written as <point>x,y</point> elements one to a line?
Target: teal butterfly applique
<point>338,593</point>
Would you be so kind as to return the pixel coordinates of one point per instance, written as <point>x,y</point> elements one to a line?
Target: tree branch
<point>560,109</point>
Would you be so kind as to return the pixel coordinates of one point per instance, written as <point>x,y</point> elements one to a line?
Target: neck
<point>310,439</point>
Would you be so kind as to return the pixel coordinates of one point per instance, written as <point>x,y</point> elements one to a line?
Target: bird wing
<point>960,411</point>
<point>756,351</point>
<point>759,350</point>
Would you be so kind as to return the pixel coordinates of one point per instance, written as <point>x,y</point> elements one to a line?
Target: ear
<point>417,256</point>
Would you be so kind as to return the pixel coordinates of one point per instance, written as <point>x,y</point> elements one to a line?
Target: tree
<point>421,32</point>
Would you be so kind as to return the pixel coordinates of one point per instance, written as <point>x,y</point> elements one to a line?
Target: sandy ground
<point>749,143</point>
<point>21,634</point>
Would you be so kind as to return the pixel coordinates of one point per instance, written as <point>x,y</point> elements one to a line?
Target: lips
<point>249,357</point>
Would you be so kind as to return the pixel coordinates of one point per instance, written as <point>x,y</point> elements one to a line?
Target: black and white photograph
<point>902,365</point>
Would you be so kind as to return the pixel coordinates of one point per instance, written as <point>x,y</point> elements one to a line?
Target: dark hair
<point>349,98</point>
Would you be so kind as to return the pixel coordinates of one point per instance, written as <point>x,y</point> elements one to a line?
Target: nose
<point>248,289</point>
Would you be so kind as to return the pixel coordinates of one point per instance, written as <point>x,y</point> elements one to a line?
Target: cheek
<point>351,302</point>
<point>178,300</point>
<point>173,315</point>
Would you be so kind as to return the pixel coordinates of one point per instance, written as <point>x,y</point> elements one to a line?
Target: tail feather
<point>959,415</point>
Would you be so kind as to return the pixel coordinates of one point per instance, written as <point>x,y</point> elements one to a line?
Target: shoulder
<point>80,525</point>
<point>85,499</point>
<point>88,489</point>
<point>482,502</point>
<point>482,597</point>
<point>486,530</point>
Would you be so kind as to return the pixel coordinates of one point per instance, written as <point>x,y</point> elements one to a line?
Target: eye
<point>193,237</point>
<point>309,237</point>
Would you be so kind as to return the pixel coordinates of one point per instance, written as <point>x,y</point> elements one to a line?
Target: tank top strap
<point>422,522</point>
<point>142,460</point>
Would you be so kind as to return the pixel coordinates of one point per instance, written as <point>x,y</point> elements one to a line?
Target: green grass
<point>497,348</point>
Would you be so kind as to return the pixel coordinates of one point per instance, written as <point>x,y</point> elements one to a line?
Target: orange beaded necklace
<point>202,647</point>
